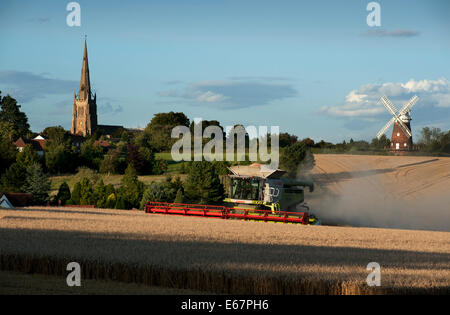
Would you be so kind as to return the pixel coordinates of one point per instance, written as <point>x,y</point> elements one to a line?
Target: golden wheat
<point>222,256</point>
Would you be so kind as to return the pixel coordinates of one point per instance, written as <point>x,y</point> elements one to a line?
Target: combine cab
<point>254,193</point>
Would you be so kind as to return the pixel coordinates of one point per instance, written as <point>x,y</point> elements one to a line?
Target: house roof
<point>40,137</point>
<point>37,144</point>
<point>102,143</point>
<point>19,199</point>
<point>4,202</point>
<point>20,143</point>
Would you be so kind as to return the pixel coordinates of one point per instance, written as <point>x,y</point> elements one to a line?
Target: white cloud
<point>353,96</point>
<point>364,102</point>
<point>231,94</point>
<point>210,97</point>
<point>427,85</point>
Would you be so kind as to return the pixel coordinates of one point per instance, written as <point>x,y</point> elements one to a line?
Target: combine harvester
<point>254,193</point>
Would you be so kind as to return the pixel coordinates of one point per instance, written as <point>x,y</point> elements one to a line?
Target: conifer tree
<point>37,183</point>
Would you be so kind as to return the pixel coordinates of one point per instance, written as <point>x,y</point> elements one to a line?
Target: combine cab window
<point>243,188</point>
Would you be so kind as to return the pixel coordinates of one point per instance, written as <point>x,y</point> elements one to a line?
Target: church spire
<point>85,84</point>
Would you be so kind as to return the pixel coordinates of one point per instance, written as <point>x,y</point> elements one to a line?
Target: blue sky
<point>313,68</point>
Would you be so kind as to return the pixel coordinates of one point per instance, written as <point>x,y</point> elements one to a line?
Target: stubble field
<point>408,192</point>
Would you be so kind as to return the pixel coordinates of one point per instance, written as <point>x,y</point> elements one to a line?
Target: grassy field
<point>71,180</point>
<point>222,256</point>
<point>173,169</point>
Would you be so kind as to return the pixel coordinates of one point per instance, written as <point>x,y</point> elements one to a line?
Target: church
<point>84,115</point>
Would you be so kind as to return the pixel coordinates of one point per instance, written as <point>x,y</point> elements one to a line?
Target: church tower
<point>84,116</point>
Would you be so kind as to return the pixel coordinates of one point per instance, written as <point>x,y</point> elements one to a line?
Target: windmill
<point>401,139</point>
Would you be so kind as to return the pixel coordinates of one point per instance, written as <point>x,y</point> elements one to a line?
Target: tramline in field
<point>254,192</point>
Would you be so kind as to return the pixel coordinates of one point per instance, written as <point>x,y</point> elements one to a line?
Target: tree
<point>221,167</point>
<point>91,154</point>
<point>10,113</point>
<point>85,172</point>
<point>7,130</point>
<point>297,157</point>
<point>149,159</point>
<point>110,163</point>
<point>205,124</point>
<point>179,197</point>
<point>7,154</point>
<point>203,184</point>
<point>76,194</point>
<point>285,139</point>
<point>110,189</point>
<point>120,203</point>
<point>162,192</point>
<point>14,178</point>
<point>111,201</point>
<point>157,134</point>
<point>432,140</point>
<point>380,144</point>
<point>60,157</point>
<point>28,156</point>
<point>114,162</point>
<point>86,192</point>
<point>131,188</point>
<point>135,158</point>
<point>100,195</point>
<point>125,137</point>
<point>37,183</point>
<point>56,134</point>
<point>308,141</point>
<point>239,132</point>
<point>159,167</point>
<point>63,193</point>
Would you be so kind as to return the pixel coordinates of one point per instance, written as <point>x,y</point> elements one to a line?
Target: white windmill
<point>401,134</point>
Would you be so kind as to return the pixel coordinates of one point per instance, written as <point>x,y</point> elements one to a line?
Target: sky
<point>314,68</point>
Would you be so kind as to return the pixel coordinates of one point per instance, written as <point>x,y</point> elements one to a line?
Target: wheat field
<point>222,256</point>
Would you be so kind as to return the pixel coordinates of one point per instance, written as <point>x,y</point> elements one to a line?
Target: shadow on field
<point>283,265</point>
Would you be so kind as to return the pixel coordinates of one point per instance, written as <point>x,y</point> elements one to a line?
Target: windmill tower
<point>401,139</point>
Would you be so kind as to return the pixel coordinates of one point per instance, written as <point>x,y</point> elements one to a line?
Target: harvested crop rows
<point>222,256</point>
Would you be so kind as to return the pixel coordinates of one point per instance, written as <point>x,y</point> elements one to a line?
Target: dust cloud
<point>359,204</point>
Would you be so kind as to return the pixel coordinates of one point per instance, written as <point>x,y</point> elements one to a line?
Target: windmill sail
<point>391,108</point>
<point>401,139</point>
<point>409,105</point>
<point>383,130</point>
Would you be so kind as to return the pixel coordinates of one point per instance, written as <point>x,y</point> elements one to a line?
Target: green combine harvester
<point>254,193</point>
<point>259,187</point>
